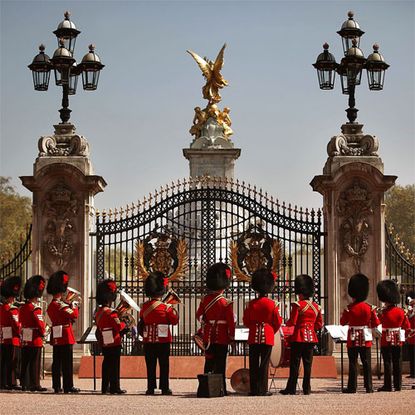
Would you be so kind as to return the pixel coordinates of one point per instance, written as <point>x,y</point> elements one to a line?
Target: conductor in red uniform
<point>216,315</point>
<point>33,331</point>
<point>110,331</point>
<point>9,332</point>
<point>410,335</point>
<point>306,318</point>
<point>263,319</point>
<point>157,317</point>
<point>394,323</point>
<point>62,315</point>
<point>361,318</point>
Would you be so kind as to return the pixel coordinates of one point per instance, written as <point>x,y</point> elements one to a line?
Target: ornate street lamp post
<point>351,65</point>
<point>65,67</point>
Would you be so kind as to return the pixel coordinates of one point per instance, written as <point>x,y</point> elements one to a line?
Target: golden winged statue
<point>211,71</point>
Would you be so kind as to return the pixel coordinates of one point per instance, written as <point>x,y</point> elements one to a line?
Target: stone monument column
<point>63,186</point>
<point>353,187</point>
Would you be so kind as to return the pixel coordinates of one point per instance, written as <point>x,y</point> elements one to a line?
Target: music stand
<point>241,335</point>
<point>89,337</point>
<point>339,336</point>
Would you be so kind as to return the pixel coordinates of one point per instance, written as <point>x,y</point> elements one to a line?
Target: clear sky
<point>137,121</point>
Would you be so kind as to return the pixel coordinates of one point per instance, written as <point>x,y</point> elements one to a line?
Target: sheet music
<point>338,332</point>
<point>241,334</point>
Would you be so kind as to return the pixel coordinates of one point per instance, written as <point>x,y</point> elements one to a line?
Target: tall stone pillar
<point>63,187</point>
<point>353,187</point>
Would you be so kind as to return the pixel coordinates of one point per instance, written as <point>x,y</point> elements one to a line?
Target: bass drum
<point>281,351</point>
<point>240,381</point>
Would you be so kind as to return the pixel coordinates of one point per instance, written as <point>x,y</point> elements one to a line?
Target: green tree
<point>400,212</point>
<point>15,217</point>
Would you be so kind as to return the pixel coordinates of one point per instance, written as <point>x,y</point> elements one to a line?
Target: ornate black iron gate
<point>210,214</point>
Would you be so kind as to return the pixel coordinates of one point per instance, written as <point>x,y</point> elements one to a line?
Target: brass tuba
<point>124,309</point>
<point>171,298</point>
<point>73,296</point>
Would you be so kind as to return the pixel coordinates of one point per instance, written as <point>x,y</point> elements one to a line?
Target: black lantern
<point>350,30</point>
<point>326,66</point>
<point>73,79</point>
<point>90,68</point>
<point>353,62</point>
<point>341,70</point>
<point>67,32</point>
<point>376,67</point>
<point>40,68</point>
<point>62,62</point>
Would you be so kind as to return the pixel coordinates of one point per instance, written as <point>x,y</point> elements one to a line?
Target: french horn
<point>124,309</point>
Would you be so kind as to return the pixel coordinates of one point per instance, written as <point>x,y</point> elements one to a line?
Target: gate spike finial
<point>97,213</point>
<point>110,214</point>
<point>128,210</point>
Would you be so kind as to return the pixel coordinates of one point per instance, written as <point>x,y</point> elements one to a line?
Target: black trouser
<point>259,355</point>
<point>365,357</point>
<point>411,349</point>
<point>392,356</point>
<point>111,369</point>
<point>300,351</point>
<point>7,365</point>
<point>30,369</point>
<point>62,364</point>
<point>215,360</point>
<point>152,352</point>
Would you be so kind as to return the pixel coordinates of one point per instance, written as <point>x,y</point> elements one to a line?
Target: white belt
<point>358,327</point>
<point>391,329</point>
<point>217,322</point>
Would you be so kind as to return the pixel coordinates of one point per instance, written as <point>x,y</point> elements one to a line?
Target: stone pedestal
<point>353,186</point>
<point>63,187</point>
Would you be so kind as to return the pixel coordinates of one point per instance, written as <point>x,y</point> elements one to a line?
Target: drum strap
<point>151,308</point>
<point>309,305</point>
<point>213,302</point>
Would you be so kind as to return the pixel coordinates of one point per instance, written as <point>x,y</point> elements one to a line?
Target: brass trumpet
<point>124,309</point>
<point>171,298</point>
<point>73,296</point>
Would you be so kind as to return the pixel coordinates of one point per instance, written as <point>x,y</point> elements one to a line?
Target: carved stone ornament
<point>352,142</point>
<point>254,249</point>
<point>60,208</point>
<point>63,143</point>
<point>164,252</point>
<point>355,205</point>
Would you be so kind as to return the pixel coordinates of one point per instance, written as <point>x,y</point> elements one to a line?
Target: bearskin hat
<point>155,284</point>
<point>106,292</point>
<point>11,287</point>
<point>57,283</point>
<point>388,292</point>
<point>358,287</point>
<point>304,285</point>
<point>34,287</point>
<point>218,277</point>
<point>263,281</point>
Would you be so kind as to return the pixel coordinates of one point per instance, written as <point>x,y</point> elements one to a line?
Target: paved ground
<point>325,399</point>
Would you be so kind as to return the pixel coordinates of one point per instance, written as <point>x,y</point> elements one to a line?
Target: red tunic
<point>218,320</point>
<point>107,320</point>
<point>393,319</point>
<point>359,316</point>
<point>61,314</point>
<point>157,322</point>
<point>263,319</point>
<point>306,319</point>
<point>32,323</point>
<point>410,334</point>
<point>10,326</point>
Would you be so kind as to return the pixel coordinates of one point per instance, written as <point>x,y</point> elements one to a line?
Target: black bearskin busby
<point>304,285</point>
<point>34,287</point>
<point>156,284</point>
<point>106,292</point>
<point>11,287</point>
<point>388,292</point>
<point>358,287</point>
<point>263,281</point>
<point>57,283</point>
<point>218,277</point>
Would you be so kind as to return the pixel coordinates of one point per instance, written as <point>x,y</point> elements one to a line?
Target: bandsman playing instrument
<point>306,318</point>
<point>215,313</point>
<point>361,318</point>
<point>263,319</point>
<point>62,315</point>
<point>156,318</point>
<point>394,323</point>
<point>10,328</point>
<point>110,330</point>
<point>410,335</point>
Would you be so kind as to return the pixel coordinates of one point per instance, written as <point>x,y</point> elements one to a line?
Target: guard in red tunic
<point>157,317</point>
<point>62,315</point>
<point>9,332</point>
<point>394,323</point>
<point>361,318</point>
<point>263,319</point>
<point>410,334</point>
<point>306,318</point>
<point>215,313</point>
<point>109,333</point>
<point>33,331</point>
